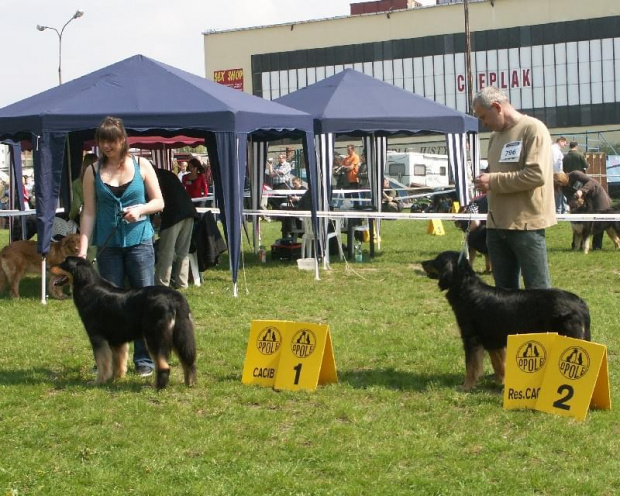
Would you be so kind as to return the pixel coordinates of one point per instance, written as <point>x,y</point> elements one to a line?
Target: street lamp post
<point>470,79</point>
<point>78,13</point>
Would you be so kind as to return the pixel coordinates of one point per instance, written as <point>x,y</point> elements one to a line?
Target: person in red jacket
<point>195,181</point>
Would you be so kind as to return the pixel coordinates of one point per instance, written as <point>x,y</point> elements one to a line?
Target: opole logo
<point>269,341</point>
<point>574,362</point>
<point>303,343</point>
<point>531,356</point>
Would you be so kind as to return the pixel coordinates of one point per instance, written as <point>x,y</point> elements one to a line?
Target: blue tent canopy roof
<point>147,94</point>
<point>158,99</point>
<point>351,101</point>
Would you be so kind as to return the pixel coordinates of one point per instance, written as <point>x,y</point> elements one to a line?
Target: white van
<point>421,169</point>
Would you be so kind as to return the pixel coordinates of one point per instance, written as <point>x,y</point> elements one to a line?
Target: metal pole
<point>59,56</point>
<point>78,14</point>
<point>470,79</point>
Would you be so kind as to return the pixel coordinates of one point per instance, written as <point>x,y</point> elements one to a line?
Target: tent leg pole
<point>43,282</point>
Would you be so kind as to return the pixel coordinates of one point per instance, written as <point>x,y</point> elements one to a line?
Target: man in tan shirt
<point>520,192</point>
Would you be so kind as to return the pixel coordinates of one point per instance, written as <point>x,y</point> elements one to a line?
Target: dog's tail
<point>184,343</point>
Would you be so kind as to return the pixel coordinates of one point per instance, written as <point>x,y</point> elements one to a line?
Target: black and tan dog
<point>113,317</point>
<point>583,231</point>
<point>487,315</point>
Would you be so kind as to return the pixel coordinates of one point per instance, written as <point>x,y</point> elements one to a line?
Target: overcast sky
<point>169,31</point>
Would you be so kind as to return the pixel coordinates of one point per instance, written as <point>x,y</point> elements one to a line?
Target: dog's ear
<point>446,274</point>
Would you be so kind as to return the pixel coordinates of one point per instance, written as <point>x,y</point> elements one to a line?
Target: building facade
<point>558,60</point>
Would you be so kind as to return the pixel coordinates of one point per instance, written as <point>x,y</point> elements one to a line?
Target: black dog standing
<point>113,317</point>
<point>487,315</point>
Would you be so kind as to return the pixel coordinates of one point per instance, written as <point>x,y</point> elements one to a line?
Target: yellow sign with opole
<point>263,352</point>
<point>556,374</point>
<point>307,358</point>
<point>577,377</point>
<point>527,357</point>
<point>289,355</point>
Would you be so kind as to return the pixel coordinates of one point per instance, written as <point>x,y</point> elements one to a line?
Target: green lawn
<point>396,423</point>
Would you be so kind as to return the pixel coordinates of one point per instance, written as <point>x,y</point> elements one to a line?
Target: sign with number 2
<point>556,374</point>
<point>577,377</point>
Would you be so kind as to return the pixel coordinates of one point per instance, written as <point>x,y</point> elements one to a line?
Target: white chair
<point>308,238</point>
<point>296,232</point>
<point>193,266</point>
<point>337,233</point>
<point>361,228</point>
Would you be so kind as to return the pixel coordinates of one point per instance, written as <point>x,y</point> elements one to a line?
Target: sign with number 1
<point>289,355</point>
<point>307,357</point>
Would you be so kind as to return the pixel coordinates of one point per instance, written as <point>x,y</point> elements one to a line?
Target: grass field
<point>396,423</point>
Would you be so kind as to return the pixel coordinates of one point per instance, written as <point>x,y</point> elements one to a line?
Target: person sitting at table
<point>296,183</point>
<point>390,202</point>
<point>194,181</point>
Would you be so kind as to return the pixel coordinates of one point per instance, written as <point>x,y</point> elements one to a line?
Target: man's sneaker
<point>144,370</point>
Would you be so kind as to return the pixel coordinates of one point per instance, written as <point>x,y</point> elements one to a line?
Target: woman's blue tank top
<point>109,217</point>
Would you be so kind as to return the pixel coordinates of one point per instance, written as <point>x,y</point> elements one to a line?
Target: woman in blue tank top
<point>120,192</point>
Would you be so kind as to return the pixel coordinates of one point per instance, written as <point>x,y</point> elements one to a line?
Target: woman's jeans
<point>137,264</point>
<point>514,253</point>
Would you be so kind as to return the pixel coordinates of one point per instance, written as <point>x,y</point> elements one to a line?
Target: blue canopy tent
<point>152,98</point>
<point>353,103</point>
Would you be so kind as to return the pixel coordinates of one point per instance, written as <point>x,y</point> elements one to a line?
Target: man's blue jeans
<point>514,253</point>
<point>137,264</point>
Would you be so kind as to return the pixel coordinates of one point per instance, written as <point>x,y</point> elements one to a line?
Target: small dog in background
<point>477,234</point>
<point>583,231</point>
<point>487,315</point>
<point>21,257</point>
<point>113,317</point>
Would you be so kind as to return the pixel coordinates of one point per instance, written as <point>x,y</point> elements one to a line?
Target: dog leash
<point>465,249</point>
<point>107,240</point>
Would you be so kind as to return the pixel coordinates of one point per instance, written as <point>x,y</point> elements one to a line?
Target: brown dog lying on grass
<point>21,258</point>
<point>487,315</point>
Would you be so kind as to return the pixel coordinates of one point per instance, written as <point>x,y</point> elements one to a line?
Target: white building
<point>558,60</point>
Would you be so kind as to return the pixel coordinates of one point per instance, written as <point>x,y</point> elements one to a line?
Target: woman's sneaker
<point>144,370</point>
